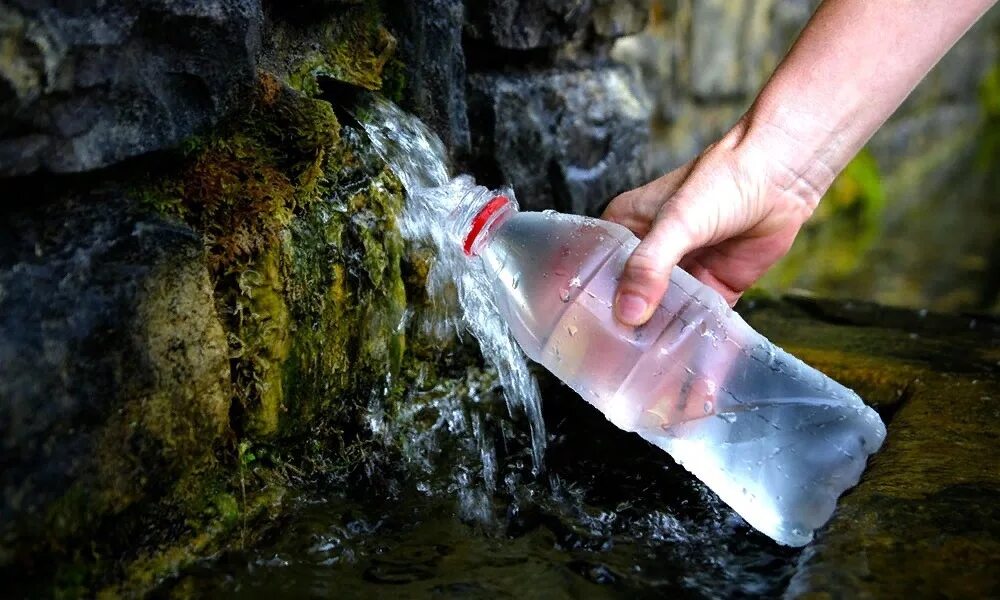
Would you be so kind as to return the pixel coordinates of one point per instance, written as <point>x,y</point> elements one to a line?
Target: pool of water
<point>611,516</point>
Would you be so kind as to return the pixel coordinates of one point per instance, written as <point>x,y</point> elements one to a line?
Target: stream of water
<point>418,158</point>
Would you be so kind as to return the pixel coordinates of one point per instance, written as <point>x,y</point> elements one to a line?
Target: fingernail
<point>631,308</point>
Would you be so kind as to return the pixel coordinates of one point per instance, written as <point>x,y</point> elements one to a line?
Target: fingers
<point>646,274</point>
<point>637,209</point>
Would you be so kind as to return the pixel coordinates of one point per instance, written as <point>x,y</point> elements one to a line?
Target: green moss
<point>394,80</point>
<point>260,331</point>
<point>989,100</point>
<point>305,268</point>
<point>241,185</point>
<point>345,284</point>
<point>834,242</point>
<point>353,48</point>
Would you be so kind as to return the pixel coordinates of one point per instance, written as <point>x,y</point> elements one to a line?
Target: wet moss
<point>305,259</point>
<point>352,47</point>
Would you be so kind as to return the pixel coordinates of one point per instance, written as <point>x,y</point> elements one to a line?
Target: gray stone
<point>728,42</point>
<point>715,46</point>
<point>565,140</point>
<point>654,56</point>
<point>430,35</point>
<point>614,18</point>
<point>85,85</point>
<point>114,370</point>
<point>526,24</point>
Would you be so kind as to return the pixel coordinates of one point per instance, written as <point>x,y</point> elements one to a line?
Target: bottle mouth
<point>481,220</point>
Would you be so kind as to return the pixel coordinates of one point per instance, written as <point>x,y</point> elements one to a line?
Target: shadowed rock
<point>571,140</point>
<point>114,373</point>
<point>525,24</point>
<point>83,86</point>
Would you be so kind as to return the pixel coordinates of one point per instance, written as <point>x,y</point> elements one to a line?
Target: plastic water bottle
<point>777,440</point>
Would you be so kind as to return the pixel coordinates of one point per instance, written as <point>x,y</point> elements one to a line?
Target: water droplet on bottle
<point>564,295</point>
<point>516,282</point>
<point>728,417</point>
<point>571,330</point>
<point>708,406</point>
<point>575,282</point>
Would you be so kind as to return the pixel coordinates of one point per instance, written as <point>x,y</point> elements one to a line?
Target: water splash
<point>459,287</point>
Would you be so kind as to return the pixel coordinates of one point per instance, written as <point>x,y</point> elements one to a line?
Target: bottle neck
<point>476,221</point>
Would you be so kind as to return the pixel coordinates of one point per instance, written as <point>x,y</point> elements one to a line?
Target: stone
<point>430,37</point>
<point>715,47</point>
<point>654,54</point>
<point>727,47</point>
<point>924,515</point>
<point>114,368</point>
<point>614,18</point>
<point>529,24</point>
<point>82,87</point>
<point>569,140</point>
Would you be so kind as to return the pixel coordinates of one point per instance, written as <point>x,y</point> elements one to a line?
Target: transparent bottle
<point>776,439</point>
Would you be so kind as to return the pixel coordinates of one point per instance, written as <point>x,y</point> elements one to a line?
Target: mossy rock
<point>924,516</point>
<point>224,315</point>
<point>114,385</point>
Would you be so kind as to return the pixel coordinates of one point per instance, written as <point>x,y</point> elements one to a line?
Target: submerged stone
<point>925,513</point>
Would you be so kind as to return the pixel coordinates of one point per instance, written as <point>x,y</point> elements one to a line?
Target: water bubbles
<point>728,417</point>
<point>571,330</point>
<point>575,282</point>
<point>433,200</point>
<point>564,294</point>
<point>708,406</point>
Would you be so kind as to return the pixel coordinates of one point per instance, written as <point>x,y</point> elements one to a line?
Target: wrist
<point>799,154</point>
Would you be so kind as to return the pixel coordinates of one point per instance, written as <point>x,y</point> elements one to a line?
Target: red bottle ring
<point>480,220</point>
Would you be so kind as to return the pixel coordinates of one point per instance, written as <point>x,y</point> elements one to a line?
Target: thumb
<point>646,274</point>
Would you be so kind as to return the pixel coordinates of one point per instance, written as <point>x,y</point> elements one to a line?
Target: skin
<point>732,212</point>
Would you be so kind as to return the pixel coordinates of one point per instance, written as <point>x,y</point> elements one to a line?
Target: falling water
<point>417,157</point>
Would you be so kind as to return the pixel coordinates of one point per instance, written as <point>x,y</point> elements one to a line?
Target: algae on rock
<point>241,303</point>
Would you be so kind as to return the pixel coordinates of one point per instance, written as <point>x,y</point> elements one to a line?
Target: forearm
<point>853,65</point>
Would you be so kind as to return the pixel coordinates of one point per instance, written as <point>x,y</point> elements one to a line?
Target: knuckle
<point>644,267</point>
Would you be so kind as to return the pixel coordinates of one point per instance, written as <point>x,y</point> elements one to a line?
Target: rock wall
<point>574,102</point>
<point>201,280</point>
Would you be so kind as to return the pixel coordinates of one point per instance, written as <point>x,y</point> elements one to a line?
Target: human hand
<point>725,217</point>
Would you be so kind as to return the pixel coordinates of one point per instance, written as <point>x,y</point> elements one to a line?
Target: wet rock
<point>114,372</point>
<point>526,24</point>
<point>431,47</point>
<point>925,514</point>
<point>569,140</point>
<point>346,43</point>
<point>83,86</point>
